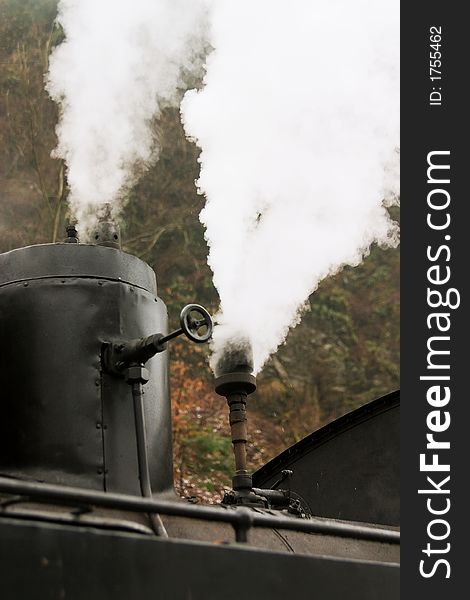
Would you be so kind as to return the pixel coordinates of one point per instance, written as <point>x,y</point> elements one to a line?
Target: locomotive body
<point>87,507</point>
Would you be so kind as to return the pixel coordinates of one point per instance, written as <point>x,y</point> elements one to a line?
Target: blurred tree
<point>32,184</point>
<point>345,351</point>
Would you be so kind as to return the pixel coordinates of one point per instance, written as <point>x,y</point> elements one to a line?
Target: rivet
<point>99,471</point>
<point>98,426</point>
<point>100,283</point>
<point>25,284</point>
<point>97,383</point>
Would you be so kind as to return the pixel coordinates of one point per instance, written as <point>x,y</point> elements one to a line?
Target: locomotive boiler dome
<point>64,419</point>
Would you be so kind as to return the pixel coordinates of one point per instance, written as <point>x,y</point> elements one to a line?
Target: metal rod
<point>142,457</point>
<point>235,516</point>
<point>170,336</point>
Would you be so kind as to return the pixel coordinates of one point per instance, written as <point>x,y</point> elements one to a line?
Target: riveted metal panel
<point>75,260</point>
<point>62,419</point>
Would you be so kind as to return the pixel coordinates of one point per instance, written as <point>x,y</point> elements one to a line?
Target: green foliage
<point>210,453</point>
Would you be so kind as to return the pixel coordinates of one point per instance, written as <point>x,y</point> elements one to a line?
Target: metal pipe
<point>235,387</point>
<point>276,498</point>
<point>142,457</point>
<point>144,474</point>
<point>238,430</point>
<point>117,356</point>
<point>238,517</point>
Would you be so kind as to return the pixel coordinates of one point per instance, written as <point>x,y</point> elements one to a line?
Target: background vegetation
<point>343,354</point>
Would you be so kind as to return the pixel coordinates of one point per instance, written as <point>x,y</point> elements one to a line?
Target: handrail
<point>242,519</point>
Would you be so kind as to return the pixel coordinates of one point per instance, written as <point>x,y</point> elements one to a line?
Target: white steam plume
<point>298,123</point>
<point>119,65</point>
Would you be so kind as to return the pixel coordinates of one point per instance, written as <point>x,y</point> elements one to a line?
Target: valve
<point>198,330</point>
<point>196,324</point>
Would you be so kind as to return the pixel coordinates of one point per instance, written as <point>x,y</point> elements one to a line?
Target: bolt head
<point>137,374</point>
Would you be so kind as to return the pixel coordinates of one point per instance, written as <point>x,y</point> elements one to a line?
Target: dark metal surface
<point>240,518</point>
<point>107,232</point>
<point>282,540</point>
<point>72,234</point>
<point>120,355</point>
<point>207,531</point>
<point>75,260</point>
<point>63,420</point>
<point>348,469</point>
<point>142,455</point>
<point>52,562</point>
<point>236,386</point>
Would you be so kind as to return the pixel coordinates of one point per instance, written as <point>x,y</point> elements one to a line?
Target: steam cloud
<point>298,123</point>
<point>119,65</point>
